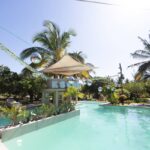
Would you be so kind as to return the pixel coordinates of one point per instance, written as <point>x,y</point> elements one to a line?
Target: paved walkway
<point>2,146</point>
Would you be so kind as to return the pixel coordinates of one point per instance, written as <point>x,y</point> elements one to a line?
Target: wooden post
<point>56,101</point>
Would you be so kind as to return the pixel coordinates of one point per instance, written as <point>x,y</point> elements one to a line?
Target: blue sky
<point>106,34</point>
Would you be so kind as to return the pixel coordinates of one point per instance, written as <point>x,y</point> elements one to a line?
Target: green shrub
<point>137,89</point>
<point>15,114</point>
<point>113,99</point>
<point>73,93</point>
<point>129,101</point>
<point>147,87</point>
<point>48,110</point>
<point>140,100</point>
<point>66,106</point>
<point>2,103</point>
<point>23,116</point>
<point>45,110</point>
<point>118,92</point>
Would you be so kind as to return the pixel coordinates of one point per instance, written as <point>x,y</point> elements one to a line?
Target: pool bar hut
<point>56,87</point>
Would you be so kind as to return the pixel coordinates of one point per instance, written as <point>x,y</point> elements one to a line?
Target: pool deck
<point>146,105</point>
<point>2,146</point>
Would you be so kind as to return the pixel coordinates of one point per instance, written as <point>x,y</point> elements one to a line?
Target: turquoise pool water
<point>4,122</point>
<point>97,128</point>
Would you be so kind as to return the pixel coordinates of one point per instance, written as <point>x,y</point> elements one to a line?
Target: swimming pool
<point>4,122</point>
<point>97,128</point>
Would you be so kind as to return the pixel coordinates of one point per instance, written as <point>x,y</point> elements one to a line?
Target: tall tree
<point>8,81</point>
<point>53,47</point>
<point>144,66</point>
<point>53,44</point>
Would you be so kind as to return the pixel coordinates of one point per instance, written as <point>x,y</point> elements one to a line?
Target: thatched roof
<point>67,66</point>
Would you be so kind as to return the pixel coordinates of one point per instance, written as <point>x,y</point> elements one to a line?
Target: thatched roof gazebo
<point>67,66</point>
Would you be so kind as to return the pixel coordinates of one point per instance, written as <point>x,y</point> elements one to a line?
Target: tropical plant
<point>15,114</point>
<point>23,115</point>
<point>72,93</point>
<point>53,43</point>
<point>46,110</point>
<point>78,56</point>
<point>123,91</point>
<point>53,47</point>
<point>122,98</point>
<point>144,66</point>
<point>66,106</point>
<point>137,89</point>
<point>147,86</point>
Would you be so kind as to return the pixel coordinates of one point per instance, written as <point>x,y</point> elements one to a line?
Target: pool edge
<point>13,132</point>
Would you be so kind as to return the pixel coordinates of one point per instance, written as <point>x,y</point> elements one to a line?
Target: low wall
<point>12,132</point>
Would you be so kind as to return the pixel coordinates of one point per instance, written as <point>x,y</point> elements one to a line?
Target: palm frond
<point>141,54</point>
<point>72,32</point>
<point>146,76</point>
<point>145,43</point>
<point>27,72</point>
<point>52,27</point>
<point>77,56</point>
<point>28,52</point>
<point>65,38</point>
<point>43,39</point>
<point>85,74</point>
<point>53,33</point>
<point>144,67</point>
<point>137,64</point>
<point>142,70</point>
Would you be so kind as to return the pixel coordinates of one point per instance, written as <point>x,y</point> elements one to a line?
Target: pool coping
<point>16,131</point>
<point>133,106</point>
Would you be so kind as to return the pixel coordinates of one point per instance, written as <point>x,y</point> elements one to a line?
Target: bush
<point>45,110</point>
<point>118,92</point>
<point>113,99</point>
<point>66,106</point>
<point>137,89</point>
<point>23,116</point>
<point>147,86</point>
<point>48,110</point>
<point>15,114</point>
<point>140,100</point>
<point>129,101</point>
<point>2,103</point>
<point>122,98</point>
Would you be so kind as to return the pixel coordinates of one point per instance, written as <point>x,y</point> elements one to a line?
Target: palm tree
<point>53,48</point>
<point>144,66</point>
<point>53,44</point>
<point>78,56</point>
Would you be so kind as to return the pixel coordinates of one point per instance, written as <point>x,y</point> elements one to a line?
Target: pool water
<point>97,128</point>
<point>4,122</point>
